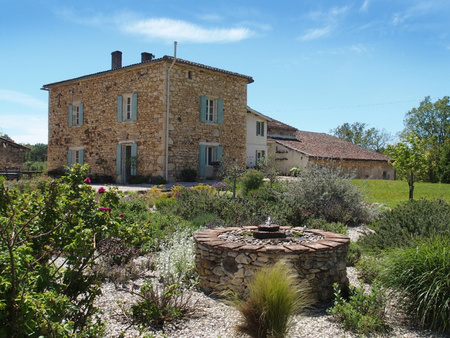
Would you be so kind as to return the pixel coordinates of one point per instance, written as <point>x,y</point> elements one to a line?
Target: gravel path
<point>213,318</point>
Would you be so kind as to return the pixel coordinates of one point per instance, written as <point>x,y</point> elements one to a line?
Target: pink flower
<point>122,215</point>
<point>101,190</point>
<point>105,209</point>
<point>87,180</point>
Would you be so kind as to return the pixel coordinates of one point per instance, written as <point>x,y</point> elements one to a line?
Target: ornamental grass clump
<point>420,275</point>
<point>274,296</point>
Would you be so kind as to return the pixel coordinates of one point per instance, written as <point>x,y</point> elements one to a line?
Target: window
<point>127,107</point>
<point>259,128</point>
<point>210,155</point>
<point>189,74</point>
<point>76,114</point>
<point>75,155</point>
<point>260,154</point>
<point>211,110</point>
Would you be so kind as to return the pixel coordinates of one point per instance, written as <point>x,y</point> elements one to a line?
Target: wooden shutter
<point>203,108</point>
<point>81,152</point>
<point>219,153</point>
<point>201,160</point>
<point>70,115</point>
<point>134,107</point>
<point>134,159</point>
<point>119,108</point>
<point>118,159</point>
<point>220,111</point>
<point>69,158</point>
<point>81,113</point>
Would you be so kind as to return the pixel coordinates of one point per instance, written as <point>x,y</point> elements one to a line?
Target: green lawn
<point>393,192</point>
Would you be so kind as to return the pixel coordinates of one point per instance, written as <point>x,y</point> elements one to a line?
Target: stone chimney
<point>146,57</point>
<point>116,60</point>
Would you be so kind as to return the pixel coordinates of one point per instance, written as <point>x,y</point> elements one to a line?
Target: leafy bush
<point>362,312</point>
<point>407,222</point>
<point>336,227</point>
<point>39,231</point>
<point>354,254</point>
<point>328,194</point>
<point>188,175</point>
<point>251,180</point>
<point>368,268</point>
<point>274,296</point>
<point>158,180</point>
<point>159,304</point>
<point>176,259</point>
<point>421,276</point>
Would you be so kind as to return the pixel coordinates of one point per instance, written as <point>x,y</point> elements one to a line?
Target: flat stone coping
<point>330,240</point>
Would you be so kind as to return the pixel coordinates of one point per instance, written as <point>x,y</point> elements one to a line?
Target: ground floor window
<point>209,155</point>
<point>75,155</point>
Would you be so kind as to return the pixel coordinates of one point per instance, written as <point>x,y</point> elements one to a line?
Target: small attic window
<point>189,74</point>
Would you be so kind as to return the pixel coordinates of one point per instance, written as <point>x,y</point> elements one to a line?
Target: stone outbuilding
<point>296,148</point>
<point>155,118</point>
<point>11,155</point>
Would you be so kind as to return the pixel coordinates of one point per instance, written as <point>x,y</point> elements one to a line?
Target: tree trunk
<point>411,186</point>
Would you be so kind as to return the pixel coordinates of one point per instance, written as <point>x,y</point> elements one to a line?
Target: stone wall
<point>361,169</point>
<point>100,132</point>
<point>223,265</point>
<point>11,155</point>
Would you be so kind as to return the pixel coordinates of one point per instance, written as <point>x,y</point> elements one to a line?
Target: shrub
<point>158,180</point>
<point>61,222</point>
<point>252,180</point>
<point>354,254</point>
<point>176,259</point>
<point>274,295</point>
<point>336,227</point>
<point>421,276</point>
<point>362,312</point>
<point>407,222</point>
<point>188,175</point>
<point>159,304</point>
<point>368,268</point>
<point>327,193</point>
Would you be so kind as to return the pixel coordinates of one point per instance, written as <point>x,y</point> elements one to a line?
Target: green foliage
<point>47,251</point>
<point>362,312</point>
<point>158,305</point>
<point>430,123</point>
<point>251,180</point>
<point>410,159</point>
<point>420,275</point>
<point>406,222</point>
<point>38,153</point>
<point>368,268</point>
<point>326,193</point>
<point>319,223</point>
<point>357,133</point>
<point>188,175</point>
<point>354,254</point>
<point>274,296</point>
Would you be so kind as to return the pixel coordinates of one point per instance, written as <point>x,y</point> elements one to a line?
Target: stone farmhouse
<point>156,117</point>
<point>296,148</point>
<point>161,116</point>
<point>11,155</point>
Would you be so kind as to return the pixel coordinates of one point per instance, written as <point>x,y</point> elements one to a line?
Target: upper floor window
<point>127,107</point>
<point>76,114</point>
<point>259,128</point>
<point>211,109</point>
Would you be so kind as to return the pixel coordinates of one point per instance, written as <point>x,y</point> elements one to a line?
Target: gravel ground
<point>212,317</point>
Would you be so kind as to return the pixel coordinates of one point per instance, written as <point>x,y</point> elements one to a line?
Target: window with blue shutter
<point>70,115</point>
<point>119,108</point>
<point>80,114</point>
<point>220,111</point>
<point>134,107</point>
<point>203,108</point>
<point>201,160</point>
<point>211,110</point>
<point>69,158</point>
<point>134,159</point>
<point>118,159</point>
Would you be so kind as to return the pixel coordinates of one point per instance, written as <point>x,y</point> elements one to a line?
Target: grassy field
<point>393,192</point>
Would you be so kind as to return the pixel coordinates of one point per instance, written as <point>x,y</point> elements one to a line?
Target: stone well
<point>223,265</point>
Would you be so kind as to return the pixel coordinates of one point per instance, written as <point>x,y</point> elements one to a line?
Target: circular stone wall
<point>224,265</point>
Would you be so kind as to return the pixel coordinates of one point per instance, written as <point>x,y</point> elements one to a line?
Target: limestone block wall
<point>223,265</point>
<point>10,156</point>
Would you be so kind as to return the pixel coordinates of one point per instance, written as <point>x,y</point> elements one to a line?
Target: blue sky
<point>316,63</point>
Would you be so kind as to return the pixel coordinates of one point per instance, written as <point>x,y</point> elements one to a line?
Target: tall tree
<point>430,122</point>
<point>358,133</point>
<point>410,160</point>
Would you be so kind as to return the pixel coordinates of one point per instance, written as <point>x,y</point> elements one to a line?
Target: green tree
<point>410,160</point>
<point>38,152</point>
<point>270,167</point>
<point>430,122</point>
<point>359,134</point>
<point>232,169</point>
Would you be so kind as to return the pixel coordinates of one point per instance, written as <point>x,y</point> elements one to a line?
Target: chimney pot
<point>146,57</point>
<point>116,59</point>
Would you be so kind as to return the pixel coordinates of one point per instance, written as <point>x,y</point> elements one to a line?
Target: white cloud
<point>169,29</point>
<point>24,128</point>
<point>316,33</point>
<point>365,6</point>
<point>22,99</point>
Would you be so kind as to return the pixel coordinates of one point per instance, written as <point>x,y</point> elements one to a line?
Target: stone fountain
<point>227,258</point>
